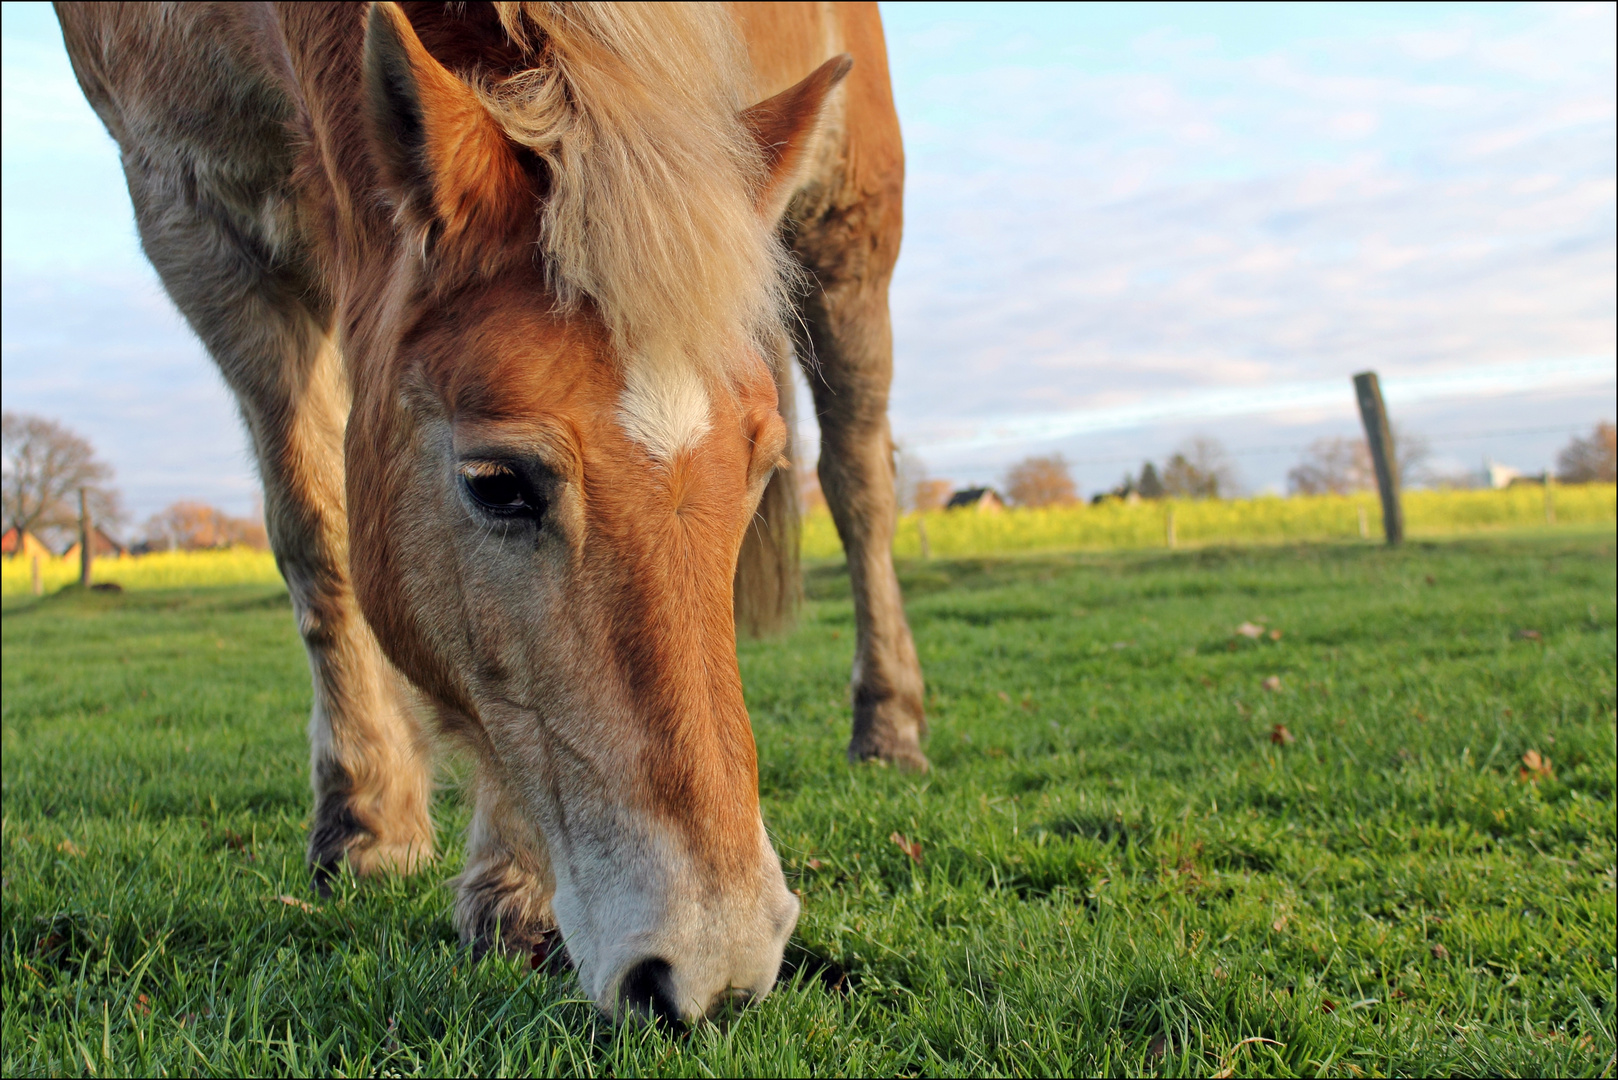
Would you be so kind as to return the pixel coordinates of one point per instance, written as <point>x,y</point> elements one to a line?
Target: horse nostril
<point>727,1003</point>
<point>648,989</point>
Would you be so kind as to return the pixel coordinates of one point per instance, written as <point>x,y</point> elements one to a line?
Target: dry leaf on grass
<point>814,864</point>
<point>1439,952</point>
<point>143,1004</point>
<point>1280,736</point>
<point>68,847</point>
<point>1248,630</point>
<point>1275,635</point>
<point>1535,767</point>
<point>1273,684</point>
<point>293,901</point>
<point>1528,635</point>
<point>911,848</point>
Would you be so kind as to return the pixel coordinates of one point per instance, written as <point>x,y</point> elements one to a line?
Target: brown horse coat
<point>503,293</point>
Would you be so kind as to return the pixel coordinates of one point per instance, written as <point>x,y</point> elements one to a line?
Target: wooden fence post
<point>35,580</point>
<point>1379,435</point>
<point>1169,528</point>
<point>86,526</point>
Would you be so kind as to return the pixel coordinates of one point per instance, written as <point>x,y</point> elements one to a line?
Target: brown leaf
<point>911,848</point>
<point>1003,696</point>
<point>143,1004</point>
<point>1535,767</point>
<point>1280,736</point>
<point>1528,635</point>
<point>1248,630</point>
<point>68,847</point>
<point>1275,635</point>
<point>1439,952</point>
<point>1431,580</point>
<point>1279,924</point>
<point>814,864</point>
<point>1327,1005</point>
<point>293,901</point>
<point>1272,684</point>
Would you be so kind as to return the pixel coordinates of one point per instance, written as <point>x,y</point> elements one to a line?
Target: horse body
<point>500,293</point>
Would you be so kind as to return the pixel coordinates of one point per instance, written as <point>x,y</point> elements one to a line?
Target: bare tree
<point>1339,466</point>
<point>1333,466</point>
<point>1041,481</point>
<point>1200,469</point>
<point>195,526</point>
<point>1412,452</point>
<point>45,465</point>
<point>1585,461</point>
<point>932,494</point>
<point>909,473</point>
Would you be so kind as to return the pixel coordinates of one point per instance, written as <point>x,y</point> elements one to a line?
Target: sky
<point>1125,225</point>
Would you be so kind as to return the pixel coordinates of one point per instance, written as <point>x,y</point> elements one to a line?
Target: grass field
<point>1135,858</point>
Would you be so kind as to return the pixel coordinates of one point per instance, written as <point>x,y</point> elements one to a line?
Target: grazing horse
<point>508,296</point>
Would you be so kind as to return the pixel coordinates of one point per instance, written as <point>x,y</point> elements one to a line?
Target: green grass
<point>1121,871</point>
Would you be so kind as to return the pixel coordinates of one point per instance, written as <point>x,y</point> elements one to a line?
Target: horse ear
<point>784,128</point>
<point>450,166</point>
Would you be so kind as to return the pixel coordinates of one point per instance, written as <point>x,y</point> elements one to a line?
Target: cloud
<point>1412,204</point>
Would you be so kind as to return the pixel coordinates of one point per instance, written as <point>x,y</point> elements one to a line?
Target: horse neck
<point>337,181</point>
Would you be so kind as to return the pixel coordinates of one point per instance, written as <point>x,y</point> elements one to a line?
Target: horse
<point>508,296</point>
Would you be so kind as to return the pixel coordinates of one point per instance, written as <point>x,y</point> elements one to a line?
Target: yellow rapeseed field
<point>966,533</point>
<point>1267,519</point>
<point>160,570</point>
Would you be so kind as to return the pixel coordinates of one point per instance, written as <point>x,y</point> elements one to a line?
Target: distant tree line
<point>45,465</point>
<point>1590,461</point>
<point>1201,468</point>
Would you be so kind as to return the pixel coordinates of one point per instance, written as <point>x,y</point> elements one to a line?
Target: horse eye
<point>502,492</point>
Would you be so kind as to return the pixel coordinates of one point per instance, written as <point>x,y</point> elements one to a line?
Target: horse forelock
<point>650,180</point>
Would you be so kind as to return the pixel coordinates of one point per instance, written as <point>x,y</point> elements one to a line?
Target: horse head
<point>564,416</point>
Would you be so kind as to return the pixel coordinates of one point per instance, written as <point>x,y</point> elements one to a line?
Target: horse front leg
<point>369,759</point>
<point>849,371</point>
<point>259,318</point>
<point>503,897</point>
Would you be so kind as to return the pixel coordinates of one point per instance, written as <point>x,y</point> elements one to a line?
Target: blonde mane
<point>634,109</point>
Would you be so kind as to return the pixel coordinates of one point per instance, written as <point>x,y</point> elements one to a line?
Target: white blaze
<point>664,407</point>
